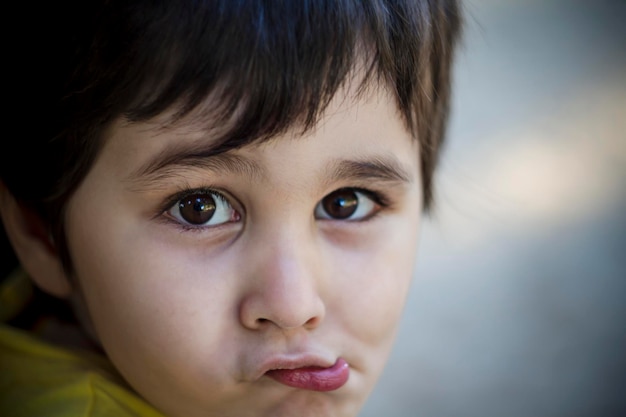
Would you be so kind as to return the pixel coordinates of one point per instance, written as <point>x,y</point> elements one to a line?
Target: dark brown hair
<point>271,65</point>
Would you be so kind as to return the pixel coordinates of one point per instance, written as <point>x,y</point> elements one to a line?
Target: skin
<point>191,316</point>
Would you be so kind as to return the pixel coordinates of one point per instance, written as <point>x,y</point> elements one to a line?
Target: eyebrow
<point>165,165</point>
<point>380,168</point>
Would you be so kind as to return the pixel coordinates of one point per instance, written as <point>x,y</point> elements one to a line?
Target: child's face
<point>201,274</point>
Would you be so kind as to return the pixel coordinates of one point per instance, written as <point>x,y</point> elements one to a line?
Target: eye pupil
<point>197,209</point>
<point>341,204</point>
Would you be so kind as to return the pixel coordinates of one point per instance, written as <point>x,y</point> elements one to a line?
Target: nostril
<point>312,322</point>
<point>265,309</point>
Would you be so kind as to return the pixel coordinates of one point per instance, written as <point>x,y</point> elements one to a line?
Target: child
<point>227,194</point>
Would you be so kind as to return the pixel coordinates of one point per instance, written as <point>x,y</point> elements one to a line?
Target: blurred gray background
<point>518,307</point>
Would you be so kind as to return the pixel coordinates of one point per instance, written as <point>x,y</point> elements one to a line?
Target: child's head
<point>226,188</point>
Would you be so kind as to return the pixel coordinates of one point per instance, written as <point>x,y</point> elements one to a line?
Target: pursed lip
<point>291,362</point>
<point>307,372</point>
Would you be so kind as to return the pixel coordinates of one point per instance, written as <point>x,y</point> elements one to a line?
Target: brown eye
<point>340,204</point>
<point>197,208</point>
<point>203,209</point>
<point>345,204</point>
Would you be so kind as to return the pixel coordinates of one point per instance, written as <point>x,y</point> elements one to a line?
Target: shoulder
<point>39,378</point>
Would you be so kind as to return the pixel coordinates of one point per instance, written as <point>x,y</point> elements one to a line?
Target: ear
<point>33,245</point>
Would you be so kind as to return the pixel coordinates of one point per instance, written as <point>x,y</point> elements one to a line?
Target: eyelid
<point>168,204</point>
<point>377,198</point>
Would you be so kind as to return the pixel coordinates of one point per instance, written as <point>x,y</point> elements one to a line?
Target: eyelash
<point>187,192</point>
<point>379,198</point>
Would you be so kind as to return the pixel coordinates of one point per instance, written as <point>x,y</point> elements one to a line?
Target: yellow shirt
<point>39,379</point>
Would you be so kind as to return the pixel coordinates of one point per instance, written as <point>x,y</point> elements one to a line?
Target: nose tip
<point>287,323</point>
<point>284,277</point>
<point>295,306</point>
<point>283,289</point>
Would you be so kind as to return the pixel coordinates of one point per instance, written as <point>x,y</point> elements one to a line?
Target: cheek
<point>142,282</point>
<point>158,316</point>
<point>376,280</point>
<point>142,294</point>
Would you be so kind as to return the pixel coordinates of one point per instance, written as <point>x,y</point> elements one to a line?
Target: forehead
<point>359,125</point>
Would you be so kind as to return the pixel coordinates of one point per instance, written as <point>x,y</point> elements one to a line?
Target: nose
<point>284,287</point>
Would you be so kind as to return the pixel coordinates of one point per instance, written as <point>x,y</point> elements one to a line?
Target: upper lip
<point>291,361</point>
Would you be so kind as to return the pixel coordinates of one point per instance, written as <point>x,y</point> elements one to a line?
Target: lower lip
<point>314,378</point>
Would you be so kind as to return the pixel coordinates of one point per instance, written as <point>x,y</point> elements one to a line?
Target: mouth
<point>314,378</point>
